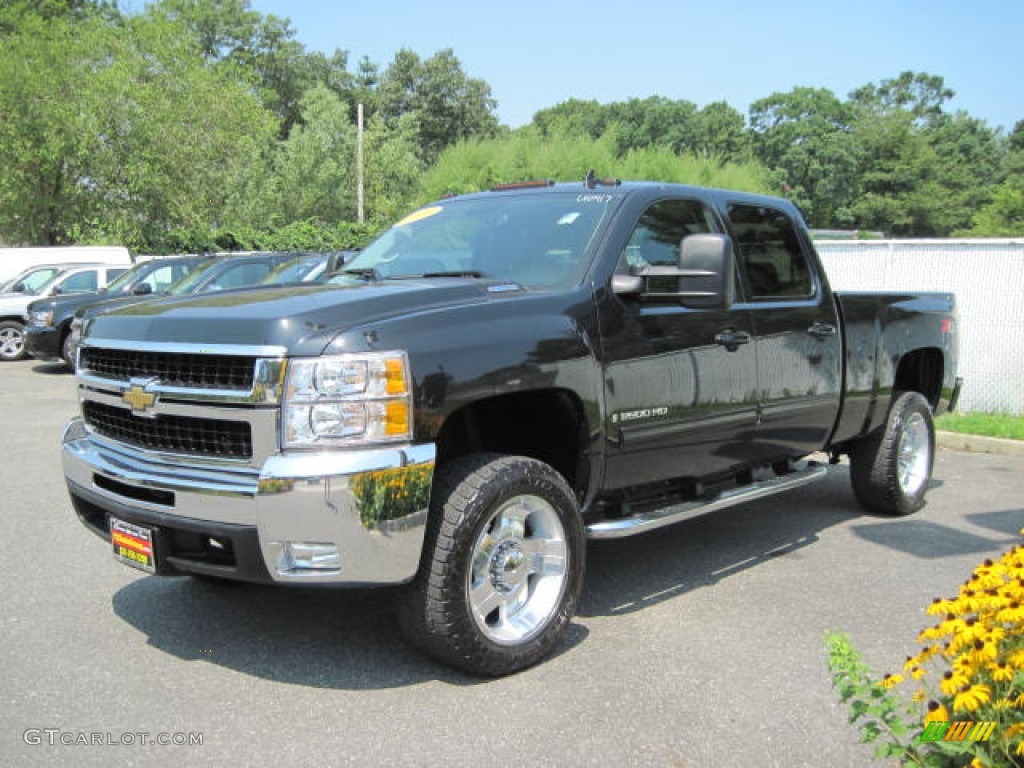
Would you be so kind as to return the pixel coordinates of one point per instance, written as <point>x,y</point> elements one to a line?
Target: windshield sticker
<point>422,213</point>
<point>569,218</point>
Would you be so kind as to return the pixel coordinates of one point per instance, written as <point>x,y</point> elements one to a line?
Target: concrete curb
<point>957,441</point>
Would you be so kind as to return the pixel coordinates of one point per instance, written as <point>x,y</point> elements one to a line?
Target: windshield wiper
<point>453,273</point>
<point>367,273</point>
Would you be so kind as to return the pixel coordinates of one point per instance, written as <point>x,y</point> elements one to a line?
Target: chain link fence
<point>987,277</point>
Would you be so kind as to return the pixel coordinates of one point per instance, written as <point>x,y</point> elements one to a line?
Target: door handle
<point>732,340</point>
<point>821,330</point>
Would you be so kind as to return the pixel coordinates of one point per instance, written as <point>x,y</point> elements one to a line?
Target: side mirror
<point>142,289</point>
<point>708,264</point>
<point>56,290</point>
<point>18,287</point>
<point>704,277</point>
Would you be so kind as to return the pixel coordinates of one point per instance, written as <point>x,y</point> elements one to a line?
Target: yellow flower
<point>918,696</point>
<point>1001,672</point>
<point>890,681</point>
<point>1001,705</point>
<point>1013,613</point>
<point>976,763</point>
<point>936,712</point>
<point>1016,659</point>
<point>951,683</point>
<point>970,697</point>
<point>983,651</point>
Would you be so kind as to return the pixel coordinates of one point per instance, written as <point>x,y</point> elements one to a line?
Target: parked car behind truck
<point>498,377</point>
<point>48,335</point>
<point>69,279</point>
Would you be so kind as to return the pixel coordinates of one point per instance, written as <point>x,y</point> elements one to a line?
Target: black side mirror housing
<point>142,289</point>
<point>704,276</point>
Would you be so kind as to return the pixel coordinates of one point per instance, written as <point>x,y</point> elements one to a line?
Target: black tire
<point>67,351</point>
<point>890,470</point>
<point>12,341</point>
<point>490,516</point>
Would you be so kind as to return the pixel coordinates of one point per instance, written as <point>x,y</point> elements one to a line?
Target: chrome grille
<point>218,438</point>
<point>173,369</point>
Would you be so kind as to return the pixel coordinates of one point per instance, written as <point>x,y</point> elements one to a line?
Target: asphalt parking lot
<point>698,645</point>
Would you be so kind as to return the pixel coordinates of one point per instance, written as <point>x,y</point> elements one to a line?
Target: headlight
<point>347,400</point>
<point>41,317</point>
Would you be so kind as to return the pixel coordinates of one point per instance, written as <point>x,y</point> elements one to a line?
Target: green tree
<point>923,172</point>
<point>316,165</point>
<point>806,135</point>
<point>719,131</point>
<point>118,132</point>
<point>447,104</point>
<point>264,44</point>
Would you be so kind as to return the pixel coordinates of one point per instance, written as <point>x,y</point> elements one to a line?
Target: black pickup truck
<point>499,377</point>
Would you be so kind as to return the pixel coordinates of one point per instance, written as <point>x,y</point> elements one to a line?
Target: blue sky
<point>535,53</point>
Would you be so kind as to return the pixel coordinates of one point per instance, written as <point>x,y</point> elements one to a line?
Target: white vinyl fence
<point>987,277</point>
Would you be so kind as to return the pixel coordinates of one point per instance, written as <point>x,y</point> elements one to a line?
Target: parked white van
<point>15,260</point>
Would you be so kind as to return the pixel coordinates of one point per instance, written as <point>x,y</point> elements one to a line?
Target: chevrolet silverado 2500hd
<point>496,378</point>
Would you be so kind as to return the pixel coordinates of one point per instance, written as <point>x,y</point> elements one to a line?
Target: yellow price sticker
<point>422,213</point>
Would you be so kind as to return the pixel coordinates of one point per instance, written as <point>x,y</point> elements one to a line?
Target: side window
<point>768,249</point>
<point>80,281</point>
<point>658,232</point>
<point>162,278</point>
<point>240,276</point>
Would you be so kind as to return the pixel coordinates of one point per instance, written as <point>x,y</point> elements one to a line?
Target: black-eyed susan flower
<point>890,681</point>
<point>970,697</point>
<point>952,682</point>
<point>935,712</point>
<point>1001,672</point>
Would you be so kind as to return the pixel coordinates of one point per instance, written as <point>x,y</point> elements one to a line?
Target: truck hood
<point>301,319</point>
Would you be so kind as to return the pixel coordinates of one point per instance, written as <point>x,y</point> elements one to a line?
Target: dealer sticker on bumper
<point>133,545</point>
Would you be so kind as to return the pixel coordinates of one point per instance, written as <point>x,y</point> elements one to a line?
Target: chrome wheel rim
<point>914,455</point>
<point>11,342</point>
<point>518,571</point>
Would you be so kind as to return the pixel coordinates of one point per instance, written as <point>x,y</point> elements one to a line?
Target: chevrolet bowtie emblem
<point>138,398</point>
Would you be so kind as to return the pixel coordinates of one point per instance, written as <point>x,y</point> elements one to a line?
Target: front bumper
<point>43,342</point>
<point>367,506</point>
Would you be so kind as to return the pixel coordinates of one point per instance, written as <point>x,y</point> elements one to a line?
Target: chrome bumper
<point>367,507</point>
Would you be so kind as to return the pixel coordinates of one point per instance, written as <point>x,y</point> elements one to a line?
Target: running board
<point>649,521</point>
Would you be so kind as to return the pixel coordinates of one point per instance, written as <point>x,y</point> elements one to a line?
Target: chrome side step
<point>649,521</point>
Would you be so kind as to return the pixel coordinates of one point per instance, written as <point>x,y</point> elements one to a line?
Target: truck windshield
<point>539,241</point>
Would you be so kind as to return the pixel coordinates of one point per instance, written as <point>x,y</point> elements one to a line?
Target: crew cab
<point>495,379</point>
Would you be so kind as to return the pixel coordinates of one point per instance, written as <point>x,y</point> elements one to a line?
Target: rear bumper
<point>362,512</point>
<point>42,342</point>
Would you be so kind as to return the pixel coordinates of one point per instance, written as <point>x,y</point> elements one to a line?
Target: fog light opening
<point>308,556</point>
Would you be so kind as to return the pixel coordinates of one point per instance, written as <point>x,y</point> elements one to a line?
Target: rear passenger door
<point>796,329</point>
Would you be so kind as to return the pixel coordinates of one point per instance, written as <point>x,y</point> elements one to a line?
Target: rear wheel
<point>12,340</point>
<point>502,566</point>
<point>890,470</point>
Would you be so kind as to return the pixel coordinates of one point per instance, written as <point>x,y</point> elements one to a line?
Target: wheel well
<point>13,319</point>
<point>547,425</point>
<point>921,371</point>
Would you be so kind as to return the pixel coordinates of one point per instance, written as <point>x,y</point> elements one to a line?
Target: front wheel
<point>890,470</point>
<point>502,566</point>
<point>12,340</point>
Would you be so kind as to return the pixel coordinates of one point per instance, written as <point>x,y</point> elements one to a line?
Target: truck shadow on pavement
<point>349,639</point>
<point>635,573</point>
